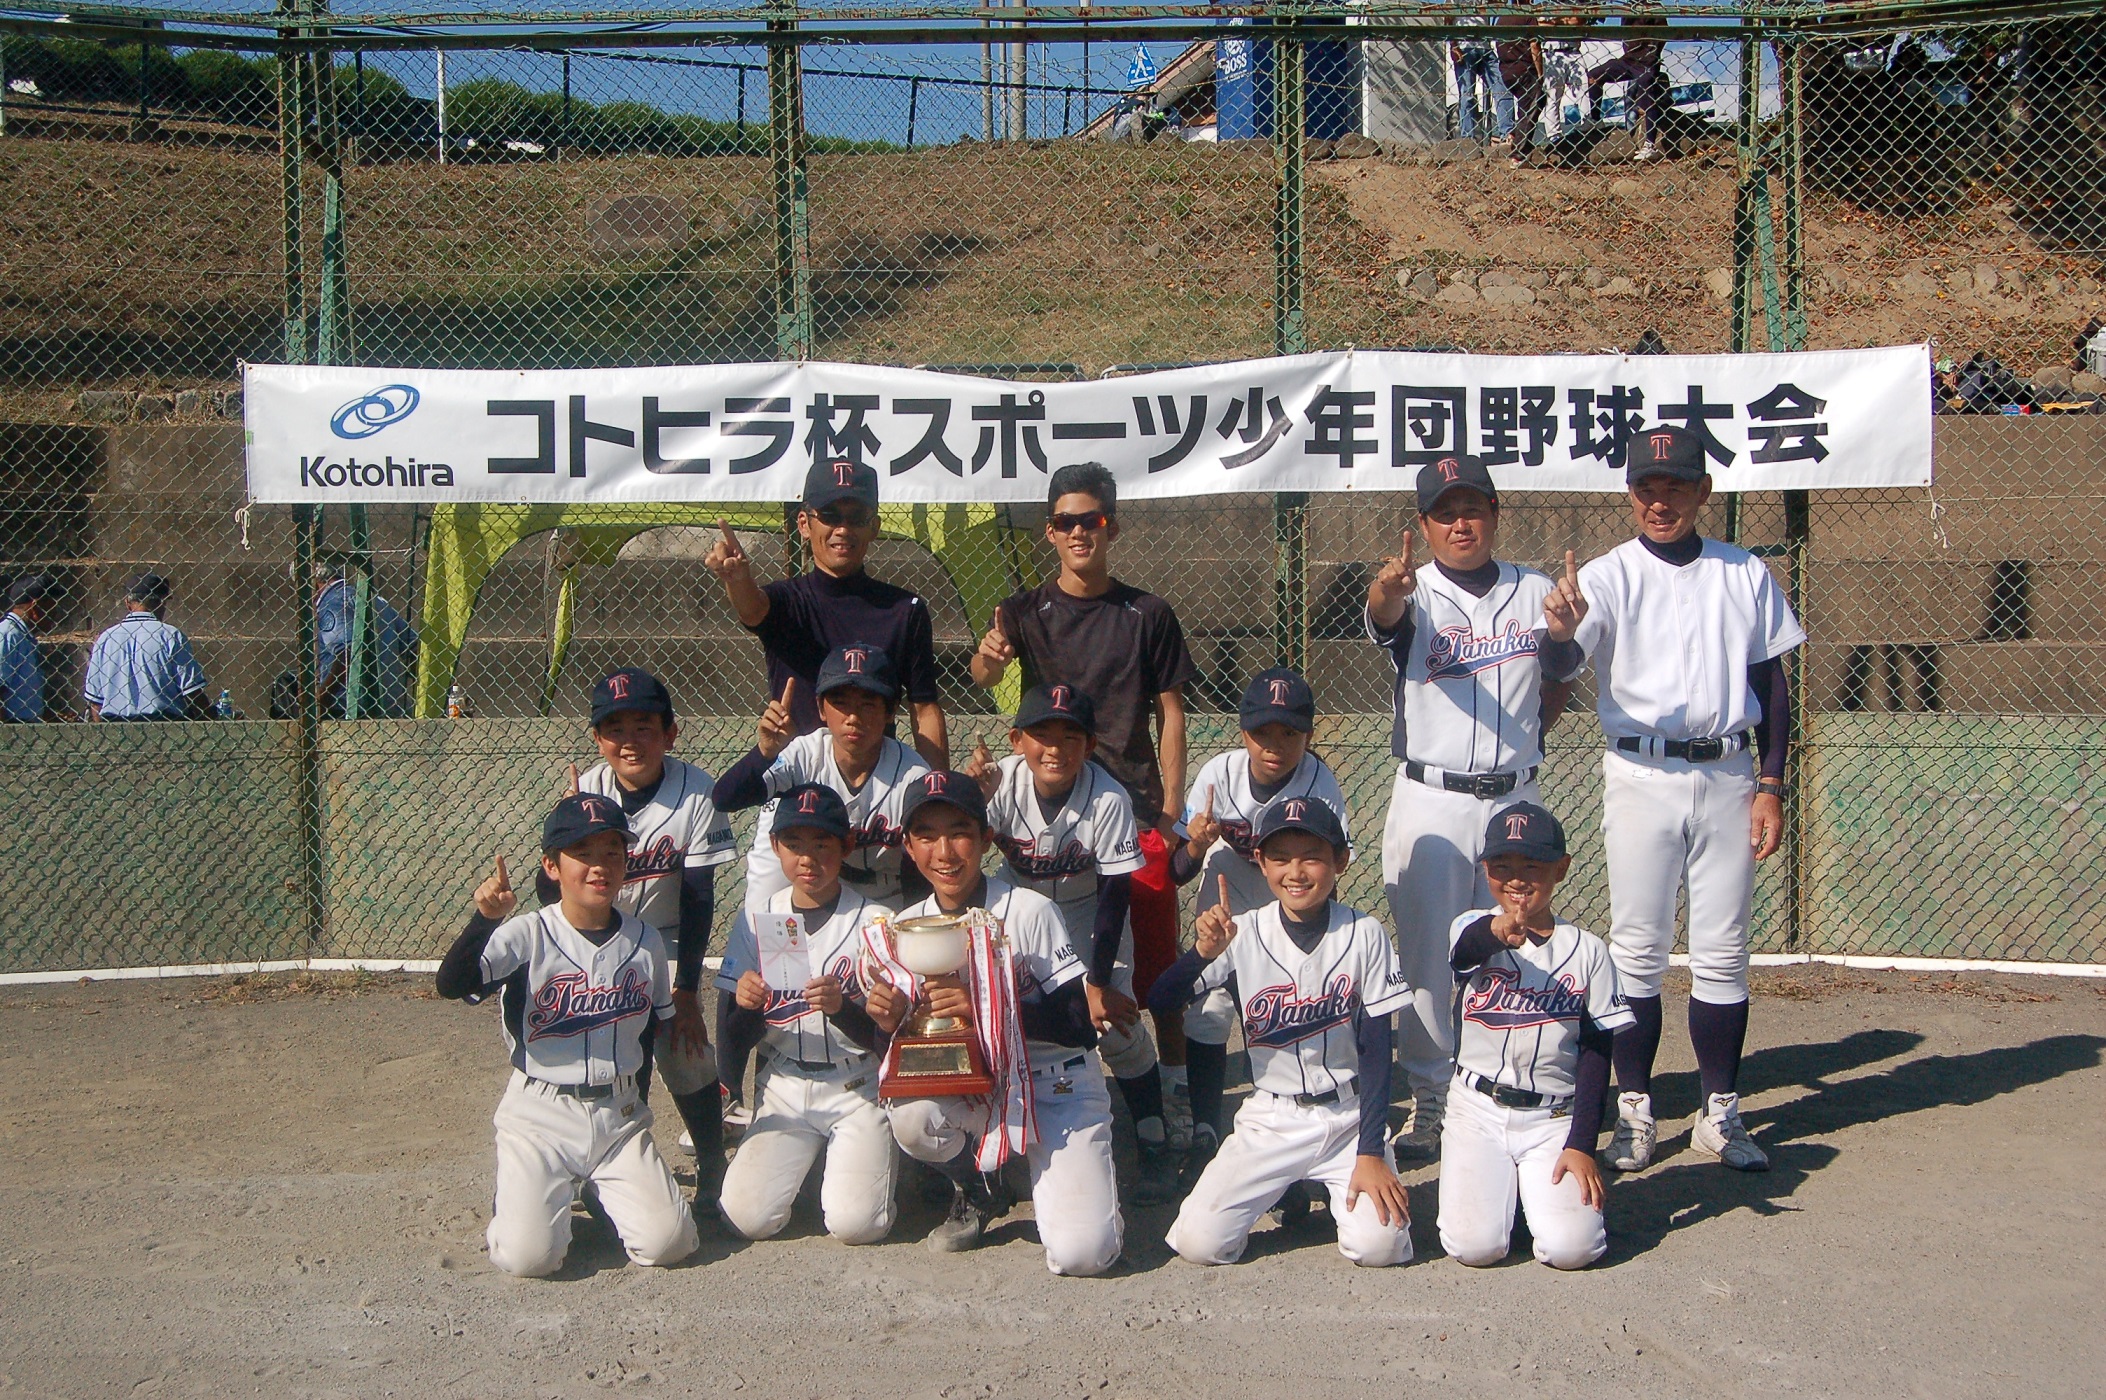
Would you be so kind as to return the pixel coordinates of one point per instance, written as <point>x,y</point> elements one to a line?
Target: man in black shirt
<point>1122,647</point>
<point>800,620</point>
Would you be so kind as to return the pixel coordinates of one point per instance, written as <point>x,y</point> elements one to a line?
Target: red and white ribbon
<point>1012,1113</point>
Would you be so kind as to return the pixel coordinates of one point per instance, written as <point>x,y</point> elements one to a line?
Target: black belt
<point>591,1093</point>
<point>1691,750</point>
<point>1475,784</point>
<point>1511,1098</point>
<point>1065,1065</point>
<point>818,1066</point>
<point>1328,1096</point>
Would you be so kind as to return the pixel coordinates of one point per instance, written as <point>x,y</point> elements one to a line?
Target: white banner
<point>1348,421</point>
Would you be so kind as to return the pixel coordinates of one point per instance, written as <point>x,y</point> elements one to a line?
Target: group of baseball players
<point>1507,1020</point>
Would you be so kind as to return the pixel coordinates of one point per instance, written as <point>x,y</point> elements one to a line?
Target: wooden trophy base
<point>935,1065</point>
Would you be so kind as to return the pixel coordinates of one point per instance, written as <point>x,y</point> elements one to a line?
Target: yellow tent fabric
<point>984,558</point>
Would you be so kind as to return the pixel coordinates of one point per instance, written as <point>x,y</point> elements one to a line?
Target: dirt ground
<point>279,1187</point>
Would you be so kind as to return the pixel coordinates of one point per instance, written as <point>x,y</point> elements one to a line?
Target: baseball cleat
<point>1421,1140</point>
<point>972,1207</point>
<point>1296,1206</point>
<point>687,1142</point>
<point>1719,1131</point>
<point>1177,1116</point>
<point>1631,1145</point>
<point>1158,1183</point>
<point>1205,1143</point>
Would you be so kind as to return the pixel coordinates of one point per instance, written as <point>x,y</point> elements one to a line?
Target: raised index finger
<point>1206,806</point>
<point>1224,892</point>
<point>789,688</point>
<point>504,880</point>
<point>1572,568</point>
<point>1408,546</point>
<point>731,541</point>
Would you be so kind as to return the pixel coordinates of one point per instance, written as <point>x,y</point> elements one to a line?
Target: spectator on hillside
<point>21,667</point>
<point>142,668</point>
<point>1521,70</point>
<point>1639,69</point>
<point>385,694</point>
<point>1476,70</point>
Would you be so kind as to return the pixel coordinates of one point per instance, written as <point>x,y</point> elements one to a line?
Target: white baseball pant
<point>1431,842</point>
<point>1074,1190</point>
<point>1666,823</point>
<point>1275,1143</point>
<point>1488,1155</point>
<point>800,1114</point>
<point>549,1142</point>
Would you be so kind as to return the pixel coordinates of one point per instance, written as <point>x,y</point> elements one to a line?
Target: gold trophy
<point>933,1056</point>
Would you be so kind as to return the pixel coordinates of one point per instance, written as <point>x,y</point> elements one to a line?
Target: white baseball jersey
<point>575,1013</point>
<point>1672,644</point>
<point>834,946</point>
<point>1060,856</point>
<point>1468,684</point>
<point>1298,1007</point>
<point>679,828</point>
<point>1038,945</point>
<point>1522,1007</point>
<point>1236,808</point>
<point>872,868</point>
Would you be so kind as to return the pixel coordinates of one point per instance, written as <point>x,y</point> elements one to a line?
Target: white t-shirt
<point>1298,1007</point>
<point>1469,687</point>
<point>834,946</point>
<point>579,1016</point>
<point>1672,644</point>
<point>1521,1007</point>
<point>1038,946</point>
<point>1236,810</point>
<point>872,868</point>
<point>1092,833</point>
<point>679,828</point>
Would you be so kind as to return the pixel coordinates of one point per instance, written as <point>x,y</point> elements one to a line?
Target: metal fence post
<point>1798,505</point>
<point>1290,509</point>
<point>793,217</point>
<point>291,105</point>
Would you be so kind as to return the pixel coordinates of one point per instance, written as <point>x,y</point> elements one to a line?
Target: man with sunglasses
<point>801,620</point>
<point>1124,648</point>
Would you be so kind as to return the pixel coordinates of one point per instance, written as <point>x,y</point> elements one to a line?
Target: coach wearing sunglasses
<point>799,620</point>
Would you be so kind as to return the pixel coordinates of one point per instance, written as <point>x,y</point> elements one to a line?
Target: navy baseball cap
<point>1278,696</point>
<point>864,667</point>
<point>946,786</point>
<point>150,589</point>
<point>1664,451</point>
<point>1299,814</point>
<point>580,815</point>
<point>29,588</point>
<point>812,805</point>
<point>1524,829</point>
<point>1437,479</point>
<point>838,479</point>
<point>1042,703</point>
<point>630,689</point>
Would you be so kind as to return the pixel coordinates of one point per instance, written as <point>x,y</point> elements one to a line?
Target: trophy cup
<point>933,1056</point>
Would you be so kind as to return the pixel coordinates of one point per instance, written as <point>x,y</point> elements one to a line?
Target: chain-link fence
<point>1035,199</point>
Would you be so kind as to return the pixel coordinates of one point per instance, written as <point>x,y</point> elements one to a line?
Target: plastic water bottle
<point>456,702</point>
<point>225,708</point>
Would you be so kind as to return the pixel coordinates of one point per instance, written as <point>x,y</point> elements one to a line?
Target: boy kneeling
<point>579,981</point>
<point>1539,1009</point>
<point>1316,983</point>
<point>817,1086</point>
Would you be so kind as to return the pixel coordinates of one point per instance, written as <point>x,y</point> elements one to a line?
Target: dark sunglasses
<point>1092,520</point>
<point>855,517</point>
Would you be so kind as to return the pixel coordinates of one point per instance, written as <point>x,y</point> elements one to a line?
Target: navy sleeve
<point>744,784</point>
<point>1561,661</point>
<point>1060,1018</point>
<point>1475,946</point>
<point>698,904</point>
<point>917,666</point>
<point>855,1024</point>
<point>461,970</point>
<point>1177,986</point>
<point>1184,868</point>
<point>1114,900</point>
<point>1372,1038</point>
<point>1590,1087</point>
<point>1773,734</point>
<point>739,1033</point>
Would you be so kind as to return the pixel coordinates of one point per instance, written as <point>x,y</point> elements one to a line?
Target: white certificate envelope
<point>784,945</point>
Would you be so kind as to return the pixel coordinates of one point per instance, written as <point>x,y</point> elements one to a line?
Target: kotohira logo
<point>324,471</point>
<point>361,418</point>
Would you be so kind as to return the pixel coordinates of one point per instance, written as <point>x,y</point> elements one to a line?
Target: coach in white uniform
<point>1478,664</point>
<point>1687,637</point>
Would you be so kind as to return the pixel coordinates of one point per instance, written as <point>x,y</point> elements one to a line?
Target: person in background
<point>142,668</point>
<point>1476,71</point>
<point>386,692</point>
<point>21,666</point>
